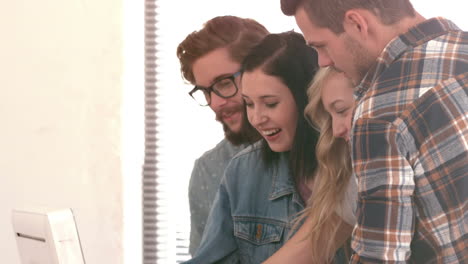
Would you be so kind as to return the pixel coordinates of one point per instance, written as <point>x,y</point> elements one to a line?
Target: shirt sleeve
<point>198,212</point>
<point>218,244</point>
<point>385,217</point>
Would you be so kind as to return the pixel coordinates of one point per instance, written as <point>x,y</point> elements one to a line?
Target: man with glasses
<point>210,59</point>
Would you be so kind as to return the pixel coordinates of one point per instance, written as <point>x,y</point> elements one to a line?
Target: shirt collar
<point>415,36</point>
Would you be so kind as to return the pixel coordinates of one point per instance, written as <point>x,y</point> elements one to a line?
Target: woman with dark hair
<point>283,61</point>
<point>265,186</point>
<point>329,217</point>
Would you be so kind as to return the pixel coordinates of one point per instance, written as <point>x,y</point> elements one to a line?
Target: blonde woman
<point>330,215</point>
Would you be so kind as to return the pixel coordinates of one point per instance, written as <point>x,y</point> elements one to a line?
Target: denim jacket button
<point>259,232</point>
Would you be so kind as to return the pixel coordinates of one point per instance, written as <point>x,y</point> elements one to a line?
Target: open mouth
<point>228,114</point>
<point>271,132</point>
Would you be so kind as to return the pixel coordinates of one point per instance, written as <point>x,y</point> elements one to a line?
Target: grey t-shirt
<point>204,183</point>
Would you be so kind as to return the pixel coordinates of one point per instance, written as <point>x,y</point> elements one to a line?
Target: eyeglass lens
<point>224,88</point>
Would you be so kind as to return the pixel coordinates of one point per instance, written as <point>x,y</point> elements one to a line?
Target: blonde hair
<point>333,174</point>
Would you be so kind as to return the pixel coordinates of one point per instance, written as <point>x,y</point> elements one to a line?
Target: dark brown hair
<point>287,57</point>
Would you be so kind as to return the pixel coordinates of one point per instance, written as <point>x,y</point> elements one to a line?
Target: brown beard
<point>247,134</point>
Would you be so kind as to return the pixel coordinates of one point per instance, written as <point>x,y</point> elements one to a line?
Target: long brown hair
<point>333,175</point>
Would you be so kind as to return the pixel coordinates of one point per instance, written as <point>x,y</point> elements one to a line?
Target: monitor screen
<point>47,236</point>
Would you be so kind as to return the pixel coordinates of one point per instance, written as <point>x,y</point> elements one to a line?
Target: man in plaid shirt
<point>410,128</point>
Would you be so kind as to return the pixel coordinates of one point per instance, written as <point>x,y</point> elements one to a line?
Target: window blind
<point>150,175</point>
<point>165,229</point>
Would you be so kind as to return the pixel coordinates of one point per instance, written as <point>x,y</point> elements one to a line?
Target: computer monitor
<point>46,236</point>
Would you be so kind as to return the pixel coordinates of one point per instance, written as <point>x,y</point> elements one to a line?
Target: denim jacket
<point>253,211</point>
<point>204,183</point>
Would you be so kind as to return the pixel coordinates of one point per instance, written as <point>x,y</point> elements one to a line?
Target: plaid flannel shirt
<point>410,150</point>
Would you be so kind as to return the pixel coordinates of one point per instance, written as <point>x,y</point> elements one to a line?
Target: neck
<point>405,24</point>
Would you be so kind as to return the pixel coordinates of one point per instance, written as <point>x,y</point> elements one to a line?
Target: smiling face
<point>339,51</point>
<point>208,69</point>
<point>271,109</point>
<point>338,100</point>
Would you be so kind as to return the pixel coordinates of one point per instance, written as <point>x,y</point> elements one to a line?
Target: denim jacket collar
<point>283,182</point>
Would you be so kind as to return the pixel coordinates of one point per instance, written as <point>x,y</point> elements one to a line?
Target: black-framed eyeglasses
<point>225,88</point>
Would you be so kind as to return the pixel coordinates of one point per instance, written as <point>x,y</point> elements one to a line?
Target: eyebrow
<point>261,97</point>
<point>219,77</point>
<point>268,96</point>
<point>222,76</point>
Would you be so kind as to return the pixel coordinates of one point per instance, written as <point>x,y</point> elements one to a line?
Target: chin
<point>235,128</point>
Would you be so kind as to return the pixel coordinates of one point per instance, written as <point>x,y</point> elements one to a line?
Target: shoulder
<point>251,152</point>
<point>247,163</point>
<point>250,165</point>
<point>212,163</point>
<point>208,169</point>
<point>402,85</point>
<point>223,151</point>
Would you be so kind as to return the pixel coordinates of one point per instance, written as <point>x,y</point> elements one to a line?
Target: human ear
<point>355,23</point>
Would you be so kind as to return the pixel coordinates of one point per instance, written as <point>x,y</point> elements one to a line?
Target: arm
<point>218,244</point>
<point>298,248</point>
<point>385,217</point>
<point>198,208</point>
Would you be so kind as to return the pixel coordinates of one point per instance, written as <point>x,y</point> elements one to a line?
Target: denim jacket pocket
<point>258,238</point>
<point>259,231</point>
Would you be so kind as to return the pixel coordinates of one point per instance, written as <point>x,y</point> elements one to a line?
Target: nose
<point>324,60</point>
<point>340,130</point>
<point>256,117</point>
<point>217,102</point>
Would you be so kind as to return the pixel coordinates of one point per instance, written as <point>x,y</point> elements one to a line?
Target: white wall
<point>61,71</point>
